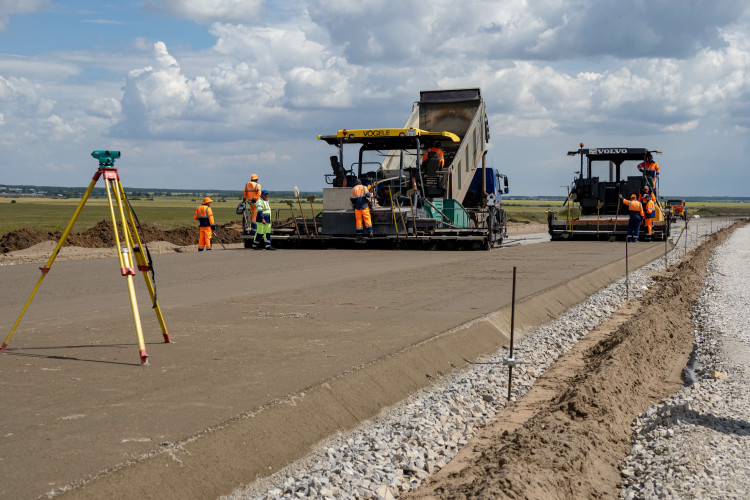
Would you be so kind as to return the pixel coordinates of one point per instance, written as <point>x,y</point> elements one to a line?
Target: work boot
<point>270,248</point>
<point>370,235</point>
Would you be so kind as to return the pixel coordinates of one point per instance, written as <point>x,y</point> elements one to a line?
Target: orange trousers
<point>204,240</point>
<point>363,215</point>
<point>649,225</point>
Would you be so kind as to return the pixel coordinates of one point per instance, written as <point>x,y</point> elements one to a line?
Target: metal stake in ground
<point>511,362</point>
<point>627,282</point>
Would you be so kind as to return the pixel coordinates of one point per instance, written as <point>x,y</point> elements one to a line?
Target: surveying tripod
<point>131,248</point>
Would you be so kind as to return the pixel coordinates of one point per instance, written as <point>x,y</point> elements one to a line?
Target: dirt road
<point>272,351</point>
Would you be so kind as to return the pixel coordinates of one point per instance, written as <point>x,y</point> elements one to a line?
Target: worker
<point>205,217</point>
<point>649,209</point>
<point>645,190</point>
<point>439,152</point>
<point>650,169</point>
<point>636,216</point>
<point>264,223</point>
<point>361,201</point>
<point>251,196</point>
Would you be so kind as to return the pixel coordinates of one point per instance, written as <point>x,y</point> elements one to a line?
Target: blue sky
<point>201,93</point>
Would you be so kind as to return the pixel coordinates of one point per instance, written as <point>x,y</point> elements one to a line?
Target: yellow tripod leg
<point>144,267</point>
<point>52,258</point>
<point>125,254</point>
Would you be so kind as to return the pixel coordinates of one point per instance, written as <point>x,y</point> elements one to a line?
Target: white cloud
<point>207,11</point>
<point>107,108</point>
<point>682,127</point>
<point>11,7</point>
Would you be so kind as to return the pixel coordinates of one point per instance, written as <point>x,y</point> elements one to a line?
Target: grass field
<point>162,212</point>
<point>168,213</point>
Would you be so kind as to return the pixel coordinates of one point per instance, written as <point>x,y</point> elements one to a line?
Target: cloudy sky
<point>202,93</point>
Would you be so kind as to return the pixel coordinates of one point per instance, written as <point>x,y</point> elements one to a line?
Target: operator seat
<point>431,177</point>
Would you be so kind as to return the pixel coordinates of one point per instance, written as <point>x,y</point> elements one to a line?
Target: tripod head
<point>106,158</point>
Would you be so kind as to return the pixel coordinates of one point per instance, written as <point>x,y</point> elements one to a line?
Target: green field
<point>162,212</point>
<point>169,212</point>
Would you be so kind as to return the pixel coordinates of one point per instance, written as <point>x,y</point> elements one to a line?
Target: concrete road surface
<point>272,352</point>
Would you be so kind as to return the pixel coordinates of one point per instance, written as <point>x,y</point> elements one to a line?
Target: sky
<point>199,94</point>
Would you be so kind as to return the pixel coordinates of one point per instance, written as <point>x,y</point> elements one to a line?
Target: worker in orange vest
<point>361,201</point>
<point>649,208</point>
<point>205,217</point>
<point>251,196</point>
<point>636,215</point>
<point>650,169</point>
<point>439,152</point>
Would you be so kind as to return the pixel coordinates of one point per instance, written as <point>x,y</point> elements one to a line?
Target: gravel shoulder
<point>696,442</point>
<point>567,429</point>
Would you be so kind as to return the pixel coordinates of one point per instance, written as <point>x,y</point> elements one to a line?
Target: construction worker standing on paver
<point>251,197</point>
<point>264,223</point>
<point>649,209</point>
<point>361,201</point>
<point>650,169</point>
<point>636,216</point>
<point>205,217</point>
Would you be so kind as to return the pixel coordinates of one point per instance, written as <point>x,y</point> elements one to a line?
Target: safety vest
<point>264,211</point>
<point>651,168</point>
<point>441,160</point>
<point>252,190</point>
<point>359,197</point>
<point>650,210</point>
<point>634,206</point>
<point>204,215</point>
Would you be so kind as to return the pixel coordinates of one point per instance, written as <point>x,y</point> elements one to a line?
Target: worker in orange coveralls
<point>205,217</point>
<point>651,169</point>
<point>250,196</point>
<point>636,215</point>
<point>361,201</point>
<point>649,208</point>
<point>439,152</point>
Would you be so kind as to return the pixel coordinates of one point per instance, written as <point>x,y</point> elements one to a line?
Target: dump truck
<point>676,207</point>
<point>593,208</point>
<point>418,200</point>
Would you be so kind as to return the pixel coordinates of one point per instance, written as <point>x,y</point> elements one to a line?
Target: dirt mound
<point>25,238</point>
<point>571,448</point>
<point>102,236</point>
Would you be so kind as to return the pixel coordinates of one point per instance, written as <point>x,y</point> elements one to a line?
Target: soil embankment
<point>102,236</point>
<point>566,437</point>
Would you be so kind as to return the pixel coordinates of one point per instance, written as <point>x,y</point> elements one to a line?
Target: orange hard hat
<point>632,197</point>
<point>207,200</point>
<point>253,177</point>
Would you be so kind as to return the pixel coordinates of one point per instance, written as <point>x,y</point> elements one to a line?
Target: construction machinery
<point>593,207</point>
<point>419,199</point>
<point>676,208</point>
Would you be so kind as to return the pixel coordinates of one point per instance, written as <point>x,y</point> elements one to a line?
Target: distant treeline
<point>134,193</point>
<point>77,192</point>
